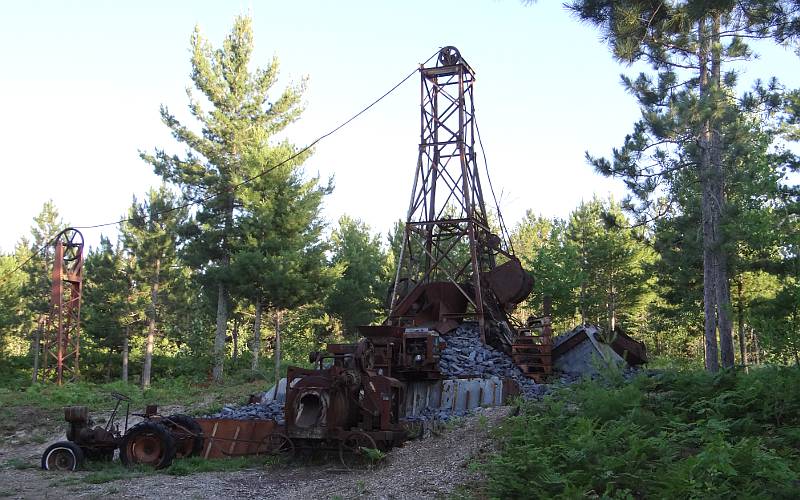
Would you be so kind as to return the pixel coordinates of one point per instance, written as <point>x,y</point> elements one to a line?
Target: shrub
<point>678,434</point>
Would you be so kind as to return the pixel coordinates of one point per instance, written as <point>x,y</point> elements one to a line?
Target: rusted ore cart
<point>341,405</point>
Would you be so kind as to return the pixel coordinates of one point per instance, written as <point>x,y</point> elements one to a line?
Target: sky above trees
<point>82,84</point>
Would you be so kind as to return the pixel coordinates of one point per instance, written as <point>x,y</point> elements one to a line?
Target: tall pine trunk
<point>151,327</point>
<point>222,300</point>
<point>277,350</point>
<point>257,336</point>
<point>235,338</point>
<point>722,286</point>
<point>219,338</point>
<point>36,348</point>
<point>125,350</point>
<point>709,223</point>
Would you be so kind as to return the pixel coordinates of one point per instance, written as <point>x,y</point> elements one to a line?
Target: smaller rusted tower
<point>62,335</point>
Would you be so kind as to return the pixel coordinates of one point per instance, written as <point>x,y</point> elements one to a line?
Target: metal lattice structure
<point>62,335</point>
<point>447,235</point>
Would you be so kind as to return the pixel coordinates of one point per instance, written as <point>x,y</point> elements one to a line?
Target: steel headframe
<point>62,337</point>
<point>447,235</point>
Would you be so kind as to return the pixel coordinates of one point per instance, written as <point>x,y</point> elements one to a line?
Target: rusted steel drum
<point>510,283</point>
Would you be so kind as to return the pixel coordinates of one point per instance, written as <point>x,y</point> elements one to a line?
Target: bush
<point>683,434</point>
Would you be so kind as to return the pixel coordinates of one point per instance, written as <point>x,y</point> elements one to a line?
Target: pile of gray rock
<point>270,410</point>
<point>431,413</point>
<point>466,356</point>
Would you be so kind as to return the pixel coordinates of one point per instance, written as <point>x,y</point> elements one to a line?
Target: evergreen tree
<point>152,239</point>
<point>105,311</point>
<point>683,116</point>
<point>242,118</point>
<point>279,260</point>
<point>357,296</point>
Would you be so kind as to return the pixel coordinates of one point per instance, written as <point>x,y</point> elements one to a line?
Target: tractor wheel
<point>186,432</point>
<point>355,448</point>
<point>147,443</point>
<point>63,456</point>
<point>275,444</point>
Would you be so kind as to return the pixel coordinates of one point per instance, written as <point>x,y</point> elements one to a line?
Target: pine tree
<point>278,261</point>
<point>683,111</point>
<point>243,117</point>
<point>150,235</point>
<point>357,296</point>
<point>104,312</point>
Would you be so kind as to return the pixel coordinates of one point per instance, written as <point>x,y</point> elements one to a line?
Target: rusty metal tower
<point>62,336</point>
<point>447,237</point>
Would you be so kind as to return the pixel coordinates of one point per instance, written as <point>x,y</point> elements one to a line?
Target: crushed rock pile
<point>270,410</point>
<point>466,356</point>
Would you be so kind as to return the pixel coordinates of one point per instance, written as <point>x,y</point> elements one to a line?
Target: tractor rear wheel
<point>147,443</point>
<point>187,433</point>
<point>62,456</point>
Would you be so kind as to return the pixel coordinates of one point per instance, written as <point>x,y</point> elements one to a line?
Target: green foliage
<point>594,267</point>
<point>358,294</point>
<point>681,434</point>
<point>105,296</point>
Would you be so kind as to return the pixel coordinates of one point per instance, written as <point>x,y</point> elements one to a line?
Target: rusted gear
<point>354,449</point>
<point>449,56</point>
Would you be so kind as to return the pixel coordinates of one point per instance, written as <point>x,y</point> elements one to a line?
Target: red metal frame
<point>62,337</point>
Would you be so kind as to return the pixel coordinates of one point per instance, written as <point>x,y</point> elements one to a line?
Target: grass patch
<point>99,472</point>
<point>19,464</point>
<point>678,434</point>
<point>195,465</point>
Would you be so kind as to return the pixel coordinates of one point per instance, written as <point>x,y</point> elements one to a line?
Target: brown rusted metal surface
<point>343,393</point>
<point>404,353</point>
<point>437,305</point>
<point>632,351</point>
<point>62,335</point>
<point>226,437</point>
<point>510,283</point>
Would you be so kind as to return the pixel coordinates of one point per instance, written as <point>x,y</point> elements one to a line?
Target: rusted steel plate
<point>225,437</point>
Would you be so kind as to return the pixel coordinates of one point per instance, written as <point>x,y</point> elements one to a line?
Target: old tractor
<point>154,441</point>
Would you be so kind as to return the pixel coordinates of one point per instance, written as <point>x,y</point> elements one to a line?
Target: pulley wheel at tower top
<point>449,56</point>
<point>72,239</point>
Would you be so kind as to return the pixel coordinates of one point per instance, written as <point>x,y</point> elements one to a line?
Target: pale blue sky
<point>81,84</point>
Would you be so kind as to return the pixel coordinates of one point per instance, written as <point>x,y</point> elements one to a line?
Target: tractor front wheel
<point>62,456</point>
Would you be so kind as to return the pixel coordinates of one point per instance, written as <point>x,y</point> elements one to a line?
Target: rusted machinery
<point>155,441</point>
<point>344,403</point>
